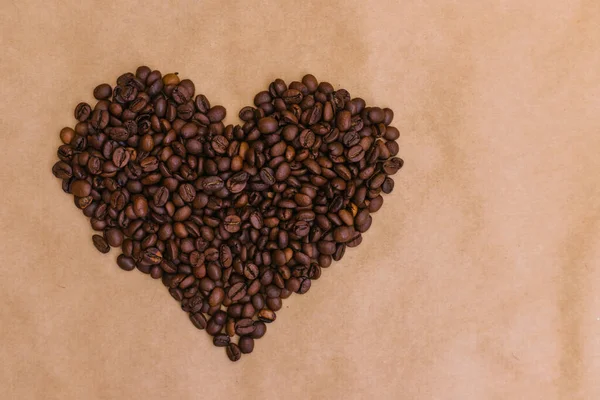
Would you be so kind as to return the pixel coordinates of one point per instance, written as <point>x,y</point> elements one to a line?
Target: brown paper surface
<point>479,278</point>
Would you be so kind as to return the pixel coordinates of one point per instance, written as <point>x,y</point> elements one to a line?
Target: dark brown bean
<point>100,244</point>
<point>233,352</point>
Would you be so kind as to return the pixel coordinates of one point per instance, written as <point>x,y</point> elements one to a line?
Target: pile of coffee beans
<point>232,219</point>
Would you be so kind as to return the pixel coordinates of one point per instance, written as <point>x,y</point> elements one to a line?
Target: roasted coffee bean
<point>244,326</point>
<point>233,352</point>
<point>216,113</point>
<point>221,340</point>
<point>220,144</point>
<point>99,119</point>
<point>216,297</point>
<point>81,188</point>
<point>101,244</point>
<point>274,303</point>
<point>62,170</point>
<point>213,327</point>
<point>267,125</point>
<point>232,223</point>
<point>199,320</point>
<point>304,285</point>
<point>212,184</point>
<point>140,206</point>
<point>83,111</point>
<point>259,331</point>
<point>236,291</point>
<point>152,256</point>
<point>237,182</point>
<point>388,185</point>
<point>225,256</point>
<point>120,157</point>
<point>392,165</point>
<point>114,237</point>
<point>66,135</point>
<point>103,91</point>
<point>267,176</point>
<point>283,172</point>
<point>126,263</point>
<point>307,138</point>
<point>250,271</point>
<point>343,120</point>
<point>266,315</point>
<point>343,234</point>
<point>187,192</point>
<point>246,344</point>
<point>161,196</point>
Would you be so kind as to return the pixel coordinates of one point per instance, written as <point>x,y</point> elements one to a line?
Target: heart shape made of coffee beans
<point>232,219</point>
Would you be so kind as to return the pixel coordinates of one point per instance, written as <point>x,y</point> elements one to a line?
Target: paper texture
<point>479,278</point>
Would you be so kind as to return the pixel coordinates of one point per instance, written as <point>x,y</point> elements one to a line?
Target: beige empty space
<point>479,278</point>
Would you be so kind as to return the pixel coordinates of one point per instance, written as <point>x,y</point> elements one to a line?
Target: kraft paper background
<point>479,278</point>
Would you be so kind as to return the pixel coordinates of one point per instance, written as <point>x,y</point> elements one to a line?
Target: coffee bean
<point>376,115</point>
<point>307,138</point>
<point>267,176</point>
<point>392,165</point>
<point>236,291</point>
<point>212,184</point>
<point>244,326</point>
<point>375,204</point>
<point>266,315</point>
<point>126,263</point>
<point>62,170</point>
<point>304,285</point>
<point>260,328</point>
<point>343,120</point>
<point>81,188</point>
<point>225,256</point>
<point>232,223</point>
<point>376,181</point>
<point>114,237</point>
<point>99,119</point>
<point>292,96</point>
<point>283,172</point>
<point>216,113</point>
<point>388,185</point>
<point>100,244</point>
<point>250,271</point>
<point>187,192</point>
<point>120,157</point>
<point>233,352</point>
<point>362,216</point>
<point>161,196</point>
<point>140,206</point>
<point>66,135</point>
<point>216,296</point>
<point>199,320</point>
<point>220,144</point>
<point>103,91</point>
<point>83,111</point>
<point>267,125</point>
<point>237,182</point>
<point>213,327</point>
<point>339,252</point>
<point>246,344</point>
<point>356,153</point>
<point>343,234</point>
<point>274,303</point>
<point>152,256</point>
<point>221,340</point>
